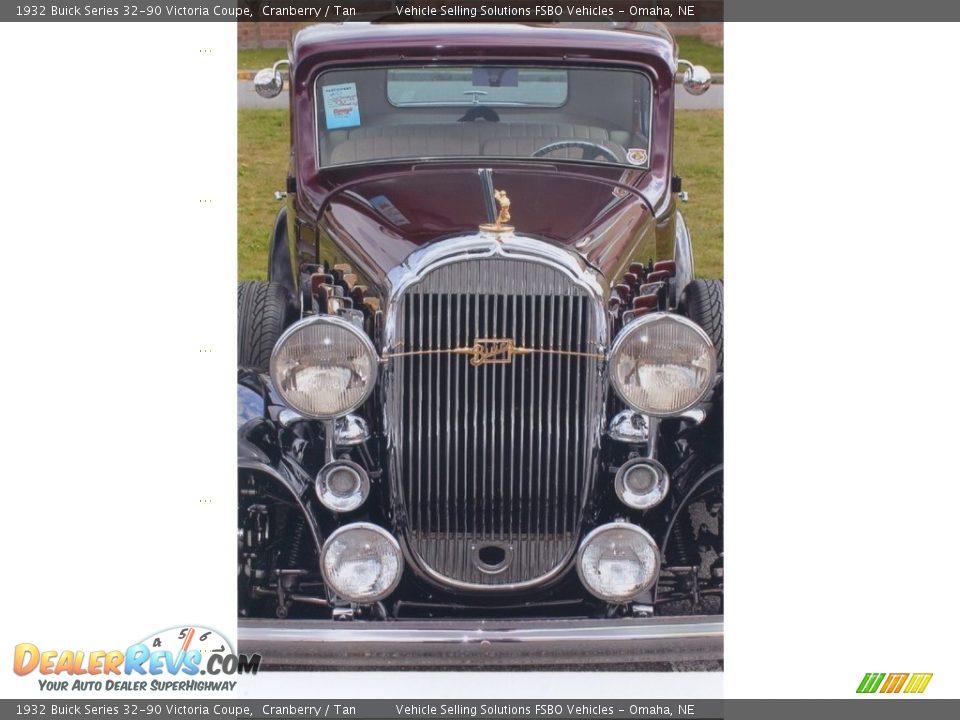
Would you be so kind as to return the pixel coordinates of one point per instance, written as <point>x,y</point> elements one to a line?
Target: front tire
<point>702,302</point>
<point>263,313</point>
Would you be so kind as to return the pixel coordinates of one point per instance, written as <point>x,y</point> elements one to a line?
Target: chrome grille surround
<point>471,464</point>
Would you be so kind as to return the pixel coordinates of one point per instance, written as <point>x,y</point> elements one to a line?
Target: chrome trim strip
<point>478,354</point>
<point>472,642</point>
<point>683,257</point>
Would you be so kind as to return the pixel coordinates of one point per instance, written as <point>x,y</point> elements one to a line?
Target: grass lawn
<point>263,141</point>
<point>263,137</point>
<point>698,159</point>
<point>699,53</point>
<point>259,59</point>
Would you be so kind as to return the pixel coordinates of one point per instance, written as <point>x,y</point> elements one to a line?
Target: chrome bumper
<point>462,643</point>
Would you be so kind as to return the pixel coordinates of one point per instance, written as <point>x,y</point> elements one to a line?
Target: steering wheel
<point>595,150</point>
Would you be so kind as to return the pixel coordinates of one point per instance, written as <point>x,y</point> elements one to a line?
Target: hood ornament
<point>502,217</point>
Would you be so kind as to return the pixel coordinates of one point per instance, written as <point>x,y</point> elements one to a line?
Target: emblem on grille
<point>494,351</point>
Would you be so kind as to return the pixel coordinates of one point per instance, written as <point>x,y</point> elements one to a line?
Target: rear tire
<point>263,313</point>
<point>702,302</point>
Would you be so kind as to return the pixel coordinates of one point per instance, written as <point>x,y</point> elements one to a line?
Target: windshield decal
<point>637,156</point>
<point>341,106</point>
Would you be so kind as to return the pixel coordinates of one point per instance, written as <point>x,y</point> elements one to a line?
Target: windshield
<point>369,115</point>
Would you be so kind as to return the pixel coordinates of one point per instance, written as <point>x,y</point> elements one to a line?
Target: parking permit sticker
<point>341,105</point>
<point>637,156</point>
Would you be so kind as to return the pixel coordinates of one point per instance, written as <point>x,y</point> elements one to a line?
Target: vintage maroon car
<point>480,400</point>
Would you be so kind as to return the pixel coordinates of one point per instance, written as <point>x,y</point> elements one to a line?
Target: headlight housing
<point>662,364</point>
<point>342,486</point>
<point>324,367</point>
<point>618,561</point>
<point>361,562</point>
<point>642,483</point>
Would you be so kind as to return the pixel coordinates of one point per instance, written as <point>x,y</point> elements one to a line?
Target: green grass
<point>698,159</point>
<point>263,137</point>
<point>263,141</point>
<point>259,59</point>
<point>700,53</point>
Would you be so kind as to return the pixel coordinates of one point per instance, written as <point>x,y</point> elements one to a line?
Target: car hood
<point>379,219</point>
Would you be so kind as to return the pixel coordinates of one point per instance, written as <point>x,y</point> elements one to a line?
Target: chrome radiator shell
<point>494,379</point>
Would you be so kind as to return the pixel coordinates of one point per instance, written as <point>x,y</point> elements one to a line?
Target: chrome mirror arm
<point>696,79</point>
<point>269,82</point>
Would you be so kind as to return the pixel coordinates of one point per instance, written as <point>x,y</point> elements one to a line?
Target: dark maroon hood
<point>379,219</point>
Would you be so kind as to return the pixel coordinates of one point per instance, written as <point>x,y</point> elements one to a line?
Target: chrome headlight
<point>618,561</point>
<point>324,367</point>
<point>662,364</point>
<point>342,486</point>
<point>641,484</point>
<point>361,563</point>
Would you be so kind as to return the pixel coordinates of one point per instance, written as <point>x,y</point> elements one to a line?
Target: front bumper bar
<point>464,643</point>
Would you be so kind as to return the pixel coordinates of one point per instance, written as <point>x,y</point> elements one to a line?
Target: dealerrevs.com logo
<point>894,683</point>
<point>171,659</point>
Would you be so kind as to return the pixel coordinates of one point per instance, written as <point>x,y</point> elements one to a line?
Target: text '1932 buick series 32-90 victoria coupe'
<point>480,395</point>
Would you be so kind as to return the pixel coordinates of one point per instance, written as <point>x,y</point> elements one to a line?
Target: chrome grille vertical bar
<point>435,426</point>
<point>419,466</point>
<point>568,335</point>
<point>484,414</point>
<point>502,452</point>
<point>540,423</point>
<point>578,326</point>
<point>476,404</point>
<point>511,504</point>
<point>455,465</point>
<point>553,498</point>
<point>448,311</point>
<point>466,405</point>
<point>408,410</point>
<point>524,478</point>
<point>426,390</point>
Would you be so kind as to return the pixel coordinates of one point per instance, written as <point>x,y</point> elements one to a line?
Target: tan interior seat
<point>398,146</point>
<point>527,146</point>
<point>457,139</point>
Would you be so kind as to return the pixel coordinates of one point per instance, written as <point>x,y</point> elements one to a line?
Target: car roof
<point>556,40</point>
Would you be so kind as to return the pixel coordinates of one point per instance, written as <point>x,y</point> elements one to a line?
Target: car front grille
<point>493,413</point>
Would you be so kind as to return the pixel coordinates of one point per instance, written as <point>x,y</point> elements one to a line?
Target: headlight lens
<point>642,484</point>
<point>361,563</point>
<point>662,364</point>
<point>324,367</point>
<point>618,561</point>
<point>342,486</point>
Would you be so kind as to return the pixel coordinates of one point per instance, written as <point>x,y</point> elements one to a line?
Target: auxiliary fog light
<point>361,563</point>
<point>642,483</point>
<point>342,486</point>
<point>618,561</point>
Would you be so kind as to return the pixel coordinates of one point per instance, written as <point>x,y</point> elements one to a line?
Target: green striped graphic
<point>871,682</point>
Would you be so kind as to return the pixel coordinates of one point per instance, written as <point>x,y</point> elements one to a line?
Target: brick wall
<point>265,34</point>
<point>711,32</point>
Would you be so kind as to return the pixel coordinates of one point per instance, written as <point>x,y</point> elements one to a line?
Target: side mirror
<point>696,78</point>
<point>269,82</point>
